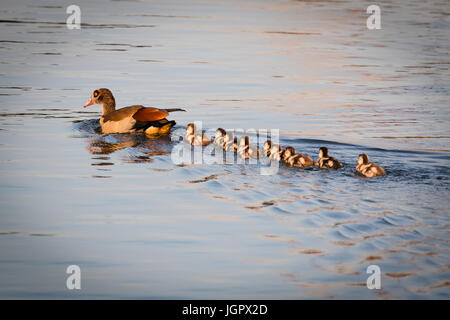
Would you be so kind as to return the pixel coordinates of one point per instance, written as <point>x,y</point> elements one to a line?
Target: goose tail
<point>174,110</point>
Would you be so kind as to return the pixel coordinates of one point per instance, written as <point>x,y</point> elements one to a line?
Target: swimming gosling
<point>273,151</point>
<point>230,142</point>
<point>194,138</point>
<point>368,169</point>
<point>325,161</point>
<point>245,150</point>
<point>219,137</point>
<point>296,159</point>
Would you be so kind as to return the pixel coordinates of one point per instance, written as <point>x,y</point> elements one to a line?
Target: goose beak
<point>90,102</point>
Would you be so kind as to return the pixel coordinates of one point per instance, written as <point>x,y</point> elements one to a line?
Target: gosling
<point>368,169</point>
<point>230,142</point>
<point>194,138</point>
<point>272,151</point>
<point>296,159</point>
<point>219,137</point>
<point>245,150</point>
<point>325,161</point>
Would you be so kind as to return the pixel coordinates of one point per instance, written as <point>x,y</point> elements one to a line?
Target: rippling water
<point>140,226</point>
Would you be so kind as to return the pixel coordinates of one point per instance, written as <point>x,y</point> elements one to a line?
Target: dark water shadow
<point>140,147</point>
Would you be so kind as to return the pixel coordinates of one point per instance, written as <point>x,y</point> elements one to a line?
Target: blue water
<point>141,226</point>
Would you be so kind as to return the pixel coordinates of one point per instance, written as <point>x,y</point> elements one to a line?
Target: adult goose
<point>135,118</point>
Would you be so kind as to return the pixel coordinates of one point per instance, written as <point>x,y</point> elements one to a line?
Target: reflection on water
<point>140,226</point>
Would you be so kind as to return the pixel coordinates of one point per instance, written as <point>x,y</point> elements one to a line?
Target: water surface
<point>140,226</point>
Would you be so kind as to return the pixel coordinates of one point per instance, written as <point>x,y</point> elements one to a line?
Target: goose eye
<point>96,93</point>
